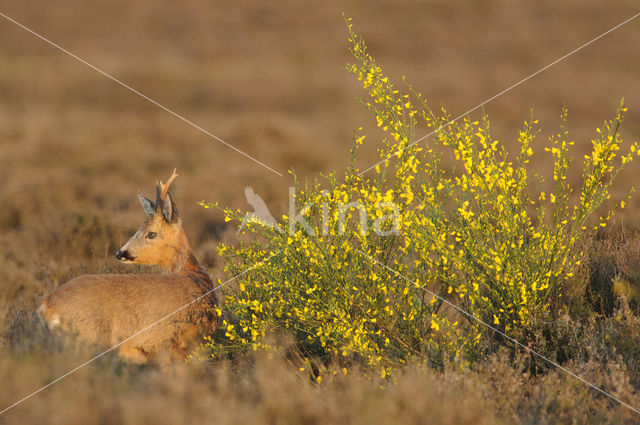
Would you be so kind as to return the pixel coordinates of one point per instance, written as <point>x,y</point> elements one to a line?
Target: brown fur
<point>108,309</point>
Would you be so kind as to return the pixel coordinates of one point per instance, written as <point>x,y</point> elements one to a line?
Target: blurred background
<point>268,78</point>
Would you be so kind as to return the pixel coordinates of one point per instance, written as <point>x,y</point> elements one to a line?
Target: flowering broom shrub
<point>359,269</point>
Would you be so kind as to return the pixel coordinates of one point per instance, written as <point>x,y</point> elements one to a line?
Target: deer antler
<point>162,189</point>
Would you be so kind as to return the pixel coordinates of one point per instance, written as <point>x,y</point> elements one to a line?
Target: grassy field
<point>269,79</point>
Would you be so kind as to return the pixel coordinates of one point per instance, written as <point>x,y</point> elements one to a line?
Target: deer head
<point>160,240</point>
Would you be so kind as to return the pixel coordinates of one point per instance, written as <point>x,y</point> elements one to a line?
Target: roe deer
<point>107,309</point>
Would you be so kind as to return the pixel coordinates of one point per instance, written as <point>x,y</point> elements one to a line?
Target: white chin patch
<point>55,321</point>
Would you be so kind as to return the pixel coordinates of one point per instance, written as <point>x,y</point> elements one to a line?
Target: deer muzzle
<point>124,256</point>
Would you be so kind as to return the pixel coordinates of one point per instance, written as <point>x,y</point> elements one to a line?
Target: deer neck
<point>184,260</point>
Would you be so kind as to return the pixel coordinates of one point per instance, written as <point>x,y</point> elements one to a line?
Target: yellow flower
<point>434,325</point>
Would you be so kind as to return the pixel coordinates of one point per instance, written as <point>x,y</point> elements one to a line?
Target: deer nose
<point>124,255</point>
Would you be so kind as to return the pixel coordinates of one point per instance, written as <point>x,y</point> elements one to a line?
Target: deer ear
<point>147,204</point>
<point>170,211</point>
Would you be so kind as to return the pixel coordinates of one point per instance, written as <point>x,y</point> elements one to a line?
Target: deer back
<point>107,309</point>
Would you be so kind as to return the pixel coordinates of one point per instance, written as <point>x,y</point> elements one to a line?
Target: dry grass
<point>262,391</point>
<point>268,390</point>
<point>268,78</point>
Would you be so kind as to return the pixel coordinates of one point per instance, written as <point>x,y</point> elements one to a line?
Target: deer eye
<point>151,235</point>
